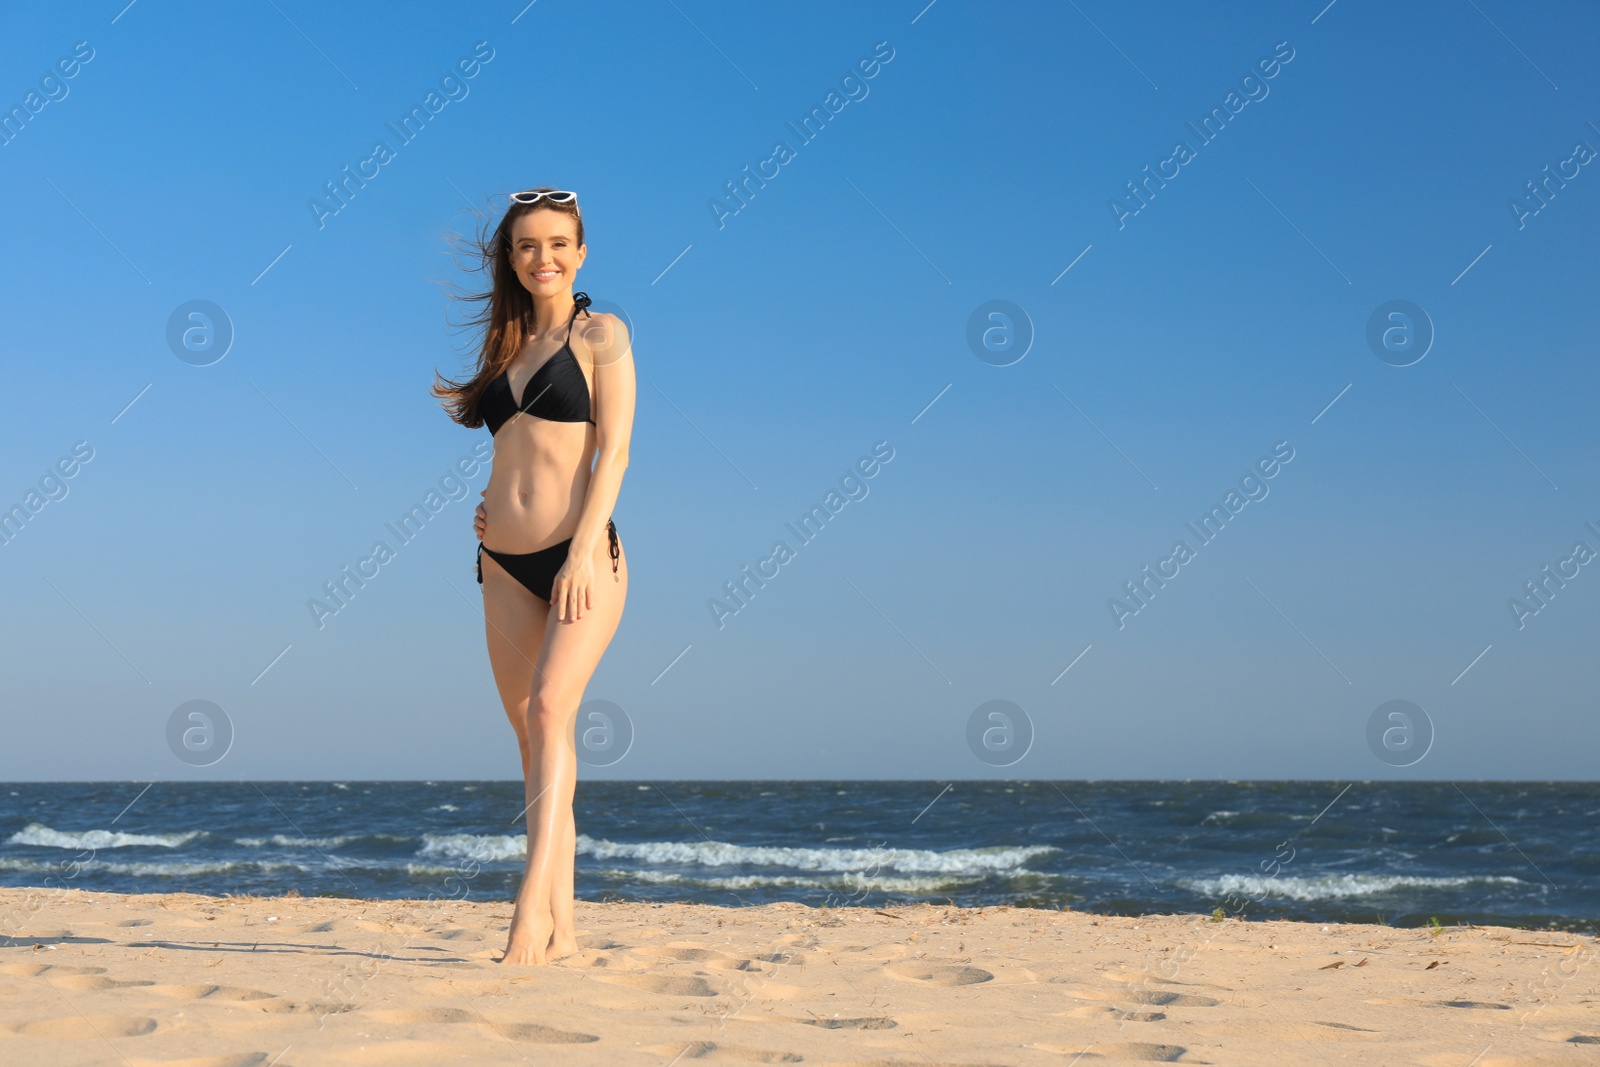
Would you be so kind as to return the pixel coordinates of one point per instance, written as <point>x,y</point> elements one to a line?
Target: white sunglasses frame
<point>536,195</point>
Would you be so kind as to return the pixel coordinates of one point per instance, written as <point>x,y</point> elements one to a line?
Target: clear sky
<point>1232,308</point>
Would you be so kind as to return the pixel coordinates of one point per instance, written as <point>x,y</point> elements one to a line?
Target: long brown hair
<point>506,311</point>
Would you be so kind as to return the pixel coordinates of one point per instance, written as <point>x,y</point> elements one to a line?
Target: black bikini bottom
<point>537,570</point>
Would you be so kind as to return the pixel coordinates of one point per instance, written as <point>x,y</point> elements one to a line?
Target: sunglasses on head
<point>556,196</point>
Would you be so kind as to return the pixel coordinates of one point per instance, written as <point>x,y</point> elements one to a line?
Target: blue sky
<point>1172,348</point>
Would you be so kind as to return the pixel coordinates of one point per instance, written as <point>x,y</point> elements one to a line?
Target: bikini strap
<point>580,302</point>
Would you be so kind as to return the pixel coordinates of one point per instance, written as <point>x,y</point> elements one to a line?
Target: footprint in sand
<point>241,1059</point>
<point>532,1033</point>
<point>204,991</point>
<point>418,1016</point>
<point>1301,1031</point>
<point>1140,1050</point>
<point>763,965</point>
<point>1413,1002</point>
<point>86,1027</point>
<point>675,985</point>
<point>393,1049</point>
<point>348,926</point>
<point>1108,1013</point>
<point>683,955</point>
<point>1145,1051</point>
<point>280,1006</point>
<point>710,1050</point>
<point>940,974</point>
<point>33,970</point>
<point>877,1023</point>
<point>90,983</point>
<point>543,1035</point>
<point>1159,998</point>
<point>915,1063</point>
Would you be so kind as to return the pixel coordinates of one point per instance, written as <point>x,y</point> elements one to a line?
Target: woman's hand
<point>571,592</point>
<point>479,518</point>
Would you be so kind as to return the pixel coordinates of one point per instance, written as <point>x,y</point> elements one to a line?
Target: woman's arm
<point>614,390</point>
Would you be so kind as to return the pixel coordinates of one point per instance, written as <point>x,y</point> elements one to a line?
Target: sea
<point>1523,854</point>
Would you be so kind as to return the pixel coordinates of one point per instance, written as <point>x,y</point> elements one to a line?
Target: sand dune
<point>179,979</point>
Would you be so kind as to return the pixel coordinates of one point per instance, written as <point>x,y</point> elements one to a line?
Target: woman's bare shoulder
<point>602,339</point>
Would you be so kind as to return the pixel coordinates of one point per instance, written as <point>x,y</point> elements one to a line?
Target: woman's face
<point>545,251</point>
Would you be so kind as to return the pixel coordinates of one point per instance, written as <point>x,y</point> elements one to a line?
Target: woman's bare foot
<point>530,940</point>
<point>561,944</point>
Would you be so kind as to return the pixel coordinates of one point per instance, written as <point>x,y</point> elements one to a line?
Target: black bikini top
<point>557,392</point>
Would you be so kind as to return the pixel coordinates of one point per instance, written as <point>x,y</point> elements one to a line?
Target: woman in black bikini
<point>559,404</point>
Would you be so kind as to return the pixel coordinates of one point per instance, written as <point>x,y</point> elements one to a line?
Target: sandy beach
<point>92,978</point>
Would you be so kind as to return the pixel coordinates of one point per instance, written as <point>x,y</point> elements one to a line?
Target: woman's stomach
<point>536,489</point>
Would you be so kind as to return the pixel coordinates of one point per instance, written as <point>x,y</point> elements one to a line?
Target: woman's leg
<point>542,923</point>
<point>514,624</point>
<point>564,936</point>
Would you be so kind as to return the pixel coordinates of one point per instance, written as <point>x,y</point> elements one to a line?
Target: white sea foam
<point>429,870</point>
<point>285,841</point>
<point>759,881</point>
<point>485,848</point>
<point>43,836</point>
<point>959,861</point>
<point>151,869</point>
<point>1330,886</point>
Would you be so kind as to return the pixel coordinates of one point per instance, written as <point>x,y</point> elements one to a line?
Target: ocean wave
<point>43,836</point>
<point>429,870</point>
<point>484,848</point>
<point>763,881</point>
<point>336,841</point>
<point>1330,886</point>
<point>960,861</point>
<point>285,841</point>
<point>153,868</point>
<point>956,861</point>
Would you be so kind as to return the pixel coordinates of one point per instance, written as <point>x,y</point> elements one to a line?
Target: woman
<point>559,404</point>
